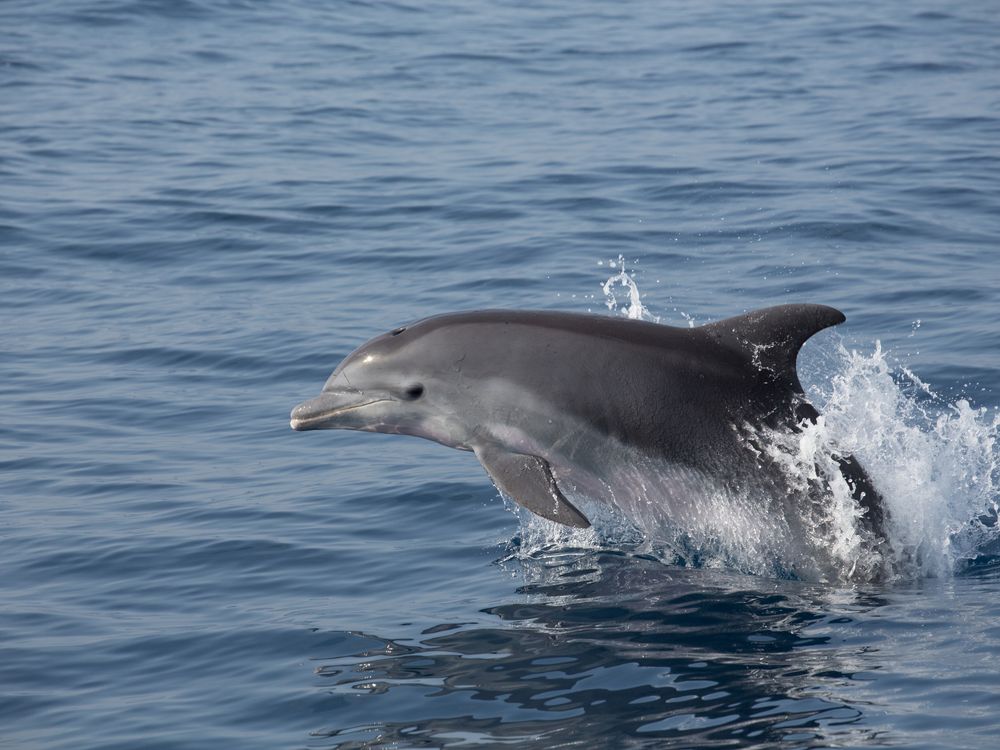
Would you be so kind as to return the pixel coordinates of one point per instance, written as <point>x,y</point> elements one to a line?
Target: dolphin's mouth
<point>322,411</point>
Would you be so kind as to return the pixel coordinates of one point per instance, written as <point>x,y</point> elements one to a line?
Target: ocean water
<point>206,204</point>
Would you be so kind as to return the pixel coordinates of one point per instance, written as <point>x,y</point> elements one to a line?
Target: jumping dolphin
<point>556,404</point>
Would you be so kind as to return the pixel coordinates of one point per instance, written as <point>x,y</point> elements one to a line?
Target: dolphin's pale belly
<point>743,517</point>
<point>735,507</point>
<point>663,497</point>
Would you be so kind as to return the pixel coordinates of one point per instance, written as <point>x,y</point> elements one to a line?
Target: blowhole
<point>397,331</point>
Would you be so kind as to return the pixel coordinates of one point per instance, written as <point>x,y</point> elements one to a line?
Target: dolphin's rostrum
<point>607,409</point>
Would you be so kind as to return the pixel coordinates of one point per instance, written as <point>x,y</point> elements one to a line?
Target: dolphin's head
<point>398,383</point>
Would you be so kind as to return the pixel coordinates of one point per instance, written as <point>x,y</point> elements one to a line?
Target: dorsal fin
<point>772,337</point>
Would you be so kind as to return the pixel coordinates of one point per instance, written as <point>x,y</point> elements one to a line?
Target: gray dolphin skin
<point>651,417</point>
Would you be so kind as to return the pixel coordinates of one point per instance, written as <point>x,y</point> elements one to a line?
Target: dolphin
<point>555,405</point>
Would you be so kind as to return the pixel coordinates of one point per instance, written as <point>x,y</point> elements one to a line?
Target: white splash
<point>625,300</point>
<point>935,463</point>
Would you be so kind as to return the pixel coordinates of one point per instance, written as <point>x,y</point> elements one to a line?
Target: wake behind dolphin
<point>676,427</point>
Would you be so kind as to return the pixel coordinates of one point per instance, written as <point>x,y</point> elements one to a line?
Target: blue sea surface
<point>206,204</point>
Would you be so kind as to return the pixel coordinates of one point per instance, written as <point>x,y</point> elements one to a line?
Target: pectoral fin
<point>528,481</point>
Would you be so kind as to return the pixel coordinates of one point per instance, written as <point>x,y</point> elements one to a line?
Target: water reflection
<point>603,649</point>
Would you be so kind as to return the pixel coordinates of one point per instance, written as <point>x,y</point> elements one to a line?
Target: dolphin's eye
<point>414,392</point>
<point>397,331</point>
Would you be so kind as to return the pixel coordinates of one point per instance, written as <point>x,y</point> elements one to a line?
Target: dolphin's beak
<point>322,412</point>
